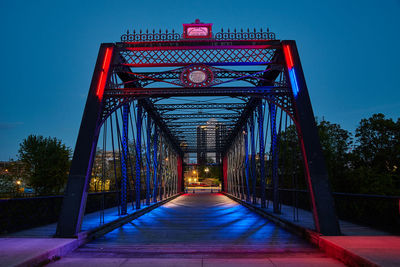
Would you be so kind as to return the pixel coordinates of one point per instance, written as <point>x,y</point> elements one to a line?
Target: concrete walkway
<point>198,230</point>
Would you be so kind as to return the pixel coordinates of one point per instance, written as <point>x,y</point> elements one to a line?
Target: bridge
<point>163,105</point>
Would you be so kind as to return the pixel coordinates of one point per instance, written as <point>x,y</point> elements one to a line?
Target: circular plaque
<point>197,76</point>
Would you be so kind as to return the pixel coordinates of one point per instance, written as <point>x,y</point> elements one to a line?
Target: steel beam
<point>274,152</point>
<point>262,152</point>
<point>138,153</point>
<point>74,202</point>
<point>200,115</point>
<point>148,159</point>
<point>253,158</point>
<point>322,203</point>
<point>155,164</point>
<point>247,163</point>
<point>124,158</point>
<point>198,91</point>
<point>228,106</point>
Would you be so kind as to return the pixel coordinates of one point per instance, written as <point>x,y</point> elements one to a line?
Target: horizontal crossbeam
<point>228,106</point>
<point>203,91</point>
<point>201,116</point>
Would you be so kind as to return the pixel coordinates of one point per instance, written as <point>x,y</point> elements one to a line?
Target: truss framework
<point>273,75</point>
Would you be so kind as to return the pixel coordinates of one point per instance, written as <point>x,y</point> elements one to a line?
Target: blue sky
<point>349,51</point>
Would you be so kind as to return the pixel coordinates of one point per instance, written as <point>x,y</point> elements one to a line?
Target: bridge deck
<point>196,230</point>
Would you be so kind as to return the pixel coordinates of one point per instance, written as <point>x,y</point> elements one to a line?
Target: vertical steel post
<point>155,164</point>
<point>74,202</point>
<point>138,152</point>
<point>148,159</point>
<point>262,151</point>
<point>322,203</point>
<point>124,158</point>
<point>246,147</point>
<point>253,159</point>
<point>274,150</point>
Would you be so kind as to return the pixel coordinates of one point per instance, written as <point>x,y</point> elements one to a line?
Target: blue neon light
<point>293,81</point>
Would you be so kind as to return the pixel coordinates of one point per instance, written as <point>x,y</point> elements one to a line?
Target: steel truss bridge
<point>158,98</point>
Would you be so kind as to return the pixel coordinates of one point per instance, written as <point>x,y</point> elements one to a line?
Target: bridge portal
<point>159,98</point>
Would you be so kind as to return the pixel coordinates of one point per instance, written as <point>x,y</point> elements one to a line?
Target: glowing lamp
<point>197,30</point>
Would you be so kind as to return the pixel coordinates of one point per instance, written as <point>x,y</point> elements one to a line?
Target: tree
<point>46,162</point>
<point>376,157</point>
<point>336,145</point>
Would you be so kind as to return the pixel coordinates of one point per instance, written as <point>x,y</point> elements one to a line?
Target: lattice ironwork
<point>144,79</point>
<point>201,115</point>
<point>228,106</point>
<point>162,57</point>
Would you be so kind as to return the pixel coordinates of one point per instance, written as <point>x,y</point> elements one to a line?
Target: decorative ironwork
<point>142,57</point>
<point>173,36</point>
<point>229,106</point>
<point>197,76</point>
<point>245,35</point>
<point>150,37</point>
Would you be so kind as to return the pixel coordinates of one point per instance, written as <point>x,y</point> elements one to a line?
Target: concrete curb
<point>331,249</point>
<point>50,255</point>
<point>85,237</point>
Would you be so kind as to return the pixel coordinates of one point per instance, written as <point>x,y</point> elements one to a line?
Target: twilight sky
<point>349,51</point>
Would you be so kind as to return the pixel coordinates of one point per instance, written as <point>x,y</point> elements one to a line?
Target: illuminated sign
<point>197,30</point>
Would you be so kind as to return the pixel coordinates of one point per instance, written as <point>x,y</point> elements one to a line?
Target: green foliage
<point>376,156</point>
<point>370,165</point>
<point>336,145</point>
<point>290,160</point>
<point>46,162</point>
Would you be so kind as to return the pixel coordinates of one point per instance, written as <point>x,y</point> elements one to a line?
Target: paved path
<point>198,230</point>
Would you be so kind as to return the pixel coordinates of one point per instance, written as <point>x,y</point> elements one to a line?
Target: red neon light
<point>104,73</point>
<point>288,56</point>
<point>308,177</point>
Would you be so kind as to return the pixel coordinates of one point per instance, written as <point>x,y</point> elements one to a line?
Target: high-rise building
<point>201,145</point>
<point>220,133</point>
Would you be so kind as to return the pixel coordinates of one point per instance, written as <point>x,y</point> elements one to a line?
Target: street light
<point>197,175</point>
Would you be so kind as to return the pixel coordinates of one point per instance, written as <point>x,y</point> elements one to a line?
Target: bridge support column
<point>148,159</point>
<point>274,165</point>
<point>74,203</point>
<point>322,203</point>
<point>246,163</point>
<point>124,159</point>
<point>155,164</point>
<point>262,151</point>
<point>138,153</point>
<point>253,159</point>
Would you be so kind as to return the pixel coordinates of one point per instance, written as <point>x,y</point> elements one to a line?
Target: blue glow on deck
<point>200,219</point>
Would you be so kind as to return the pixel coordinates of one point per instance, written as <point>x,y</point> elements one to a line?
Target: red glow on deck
<point>180,173</point>
<point>104,72</point>
<point>225,172</point>
<point>288,56</point>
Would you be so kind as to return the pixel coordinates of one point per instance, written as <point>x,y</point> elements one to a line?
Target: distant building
<point>201,144</point>
<point>210,141</point>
